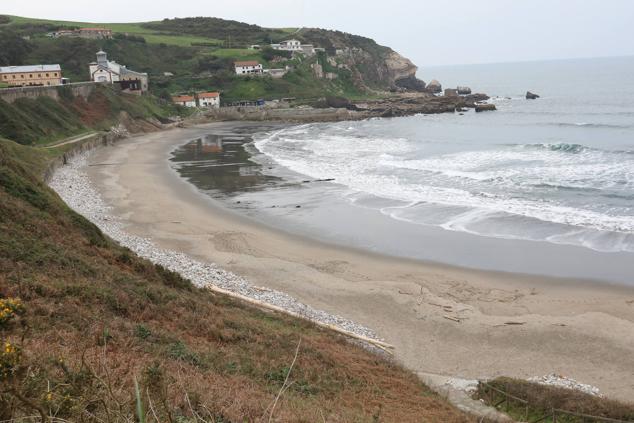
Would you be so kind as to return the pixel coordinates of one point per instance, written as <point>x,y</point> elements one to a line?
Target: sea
<point>540,186</point>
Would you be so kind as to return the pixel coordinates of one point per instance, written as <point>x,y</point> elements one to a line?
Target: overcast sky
<point>428,32</point>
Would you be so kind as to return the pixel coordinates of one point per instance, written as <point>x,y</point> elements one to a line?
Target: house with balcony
<point>250,67</point>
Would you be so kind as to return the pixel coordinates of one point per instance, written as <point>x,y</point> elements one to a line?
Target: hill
<point>198,53</point>
<point>43,120</point>
<point>83,320</point>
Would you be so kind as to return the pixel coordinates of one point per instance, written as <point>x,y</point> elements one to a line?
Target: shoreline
<point>404,301</point>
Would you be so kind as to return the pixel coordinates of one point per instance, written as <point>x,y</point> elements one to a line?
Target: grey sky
<point>428,32</point>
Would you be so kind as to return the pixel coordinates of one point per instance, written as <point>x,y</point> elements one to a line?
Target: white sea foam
<point>554,185</point>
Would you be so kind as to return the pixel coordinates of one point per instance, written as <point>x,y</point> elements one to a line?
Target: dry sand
<point>578,329</point>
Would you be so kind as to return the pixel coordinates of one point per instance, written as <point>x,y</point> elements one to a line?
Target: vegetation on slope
<point>199,53</point>
<point>232,32</point>
<point>540,400</point>
<point>83,319</point>
<point>41,120</point>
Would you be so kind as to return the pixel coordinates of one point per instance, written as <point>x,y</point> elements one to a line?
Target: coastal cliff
<point>374,67</point>
<point>190,54</point>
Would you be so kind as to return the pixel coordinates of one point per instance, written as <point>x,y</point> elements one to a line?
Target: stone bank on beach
<point>74,187</point>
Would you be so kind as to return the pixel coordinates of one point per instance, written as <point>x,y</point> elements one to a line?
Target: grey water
<point>540,186</point>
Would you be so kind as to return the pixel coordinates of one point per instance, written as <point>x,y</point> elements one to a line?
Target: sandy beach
<point>441,319</point>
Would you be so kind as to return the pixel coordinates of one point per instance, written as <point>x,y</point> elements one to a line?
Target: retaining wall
<point>78,148</point>
<point>253,113</point>
<point>83,89</point>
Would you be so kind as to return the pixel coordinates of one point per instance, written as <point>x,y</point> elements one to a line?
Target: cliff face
<point>374,67</point>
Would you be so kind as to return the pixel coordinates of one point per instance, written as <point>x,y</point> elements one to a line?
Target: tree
<point>13,48</point>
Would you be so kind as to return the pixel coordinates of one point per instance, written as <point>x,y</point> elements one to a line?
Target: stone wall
<point>285,115</point>
<point>83,89</point>
<point>78,148</point>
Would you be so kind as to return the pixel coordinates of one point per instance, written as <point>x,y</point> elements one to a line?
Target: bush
<point>269,53</point>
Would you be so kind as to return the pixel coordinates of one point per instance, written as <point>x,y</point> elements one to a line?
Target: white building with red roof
<point>210,99</point>
<point>248,67</point>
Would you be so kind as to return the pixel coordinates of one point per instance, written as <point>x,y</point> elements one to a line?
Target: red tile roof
<point>94,29</point>
<point>208,95</point>
<point>182,98</point>
<point>247,63</point>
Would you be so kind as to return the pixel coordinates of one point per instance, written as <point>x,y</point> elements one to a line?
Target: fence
<point>555,415</point>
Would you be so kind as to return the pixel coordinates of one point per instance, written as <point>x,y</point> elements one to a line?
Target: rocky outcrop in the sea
<point>410,83</point>
<point>485,107</point>
<point>434,87</point>
<point>464,90</point>
<point>531,96</point>
<point>424,103</point>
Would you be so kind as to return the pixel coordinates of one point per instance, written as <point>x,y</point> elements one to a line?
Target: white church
<point>110,71</point>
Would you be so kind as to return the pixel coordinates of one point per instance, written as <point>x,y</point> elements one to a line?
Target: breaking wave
<point>556,192</point>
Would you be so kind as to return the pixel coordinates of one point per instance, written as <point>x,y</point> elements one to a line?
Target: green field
<point>194,54</point>
<point>150,35</point>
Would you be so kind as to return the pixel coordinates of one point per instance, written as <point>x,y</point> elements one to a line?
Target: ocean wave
<point>560,147</point>
<point>569,148</point>
<point>503,180</point>
<point>587,125</point>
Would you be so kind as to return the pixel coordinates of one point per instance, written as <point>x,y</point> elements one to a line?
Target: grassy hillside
<point>82,320</point>
<point>42,120</point>
<point>530,401</point>
<point>199,53</point>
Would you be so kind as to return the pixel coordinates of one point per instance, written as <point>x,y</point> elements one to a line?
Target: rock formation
<point>410,83</point>
<point>434,87</point>
<point>485,107</point>
<point>464,90</point>
<point>531,96</point>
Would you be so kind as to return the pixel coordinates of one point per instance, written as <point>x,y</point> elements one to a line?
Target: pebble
<point>564,382</point>
<point>73,185</point>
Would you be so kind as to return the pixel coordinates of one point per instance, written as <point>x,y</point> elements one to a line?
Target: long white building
<point>248,68</point>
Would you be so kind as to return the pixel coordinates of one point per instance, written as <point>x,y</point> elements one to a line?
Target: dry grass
<point>97,317</point>
<point>542,399</point>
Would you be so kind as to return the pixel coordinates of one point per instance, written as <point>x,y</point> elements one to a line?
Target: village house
<point>288,45</point>
<point>114,73</point>
<point>184,100</point>
<point>296,46</point>
<point>211,99</point>
<point>207,99</point>
<point>34,75</point>
<point>90,33</point>
<point>250,67</point>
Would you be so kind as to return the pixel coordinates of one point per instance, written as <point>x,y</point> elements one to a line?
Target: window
<point>47,75</point>
<point>55,74</point>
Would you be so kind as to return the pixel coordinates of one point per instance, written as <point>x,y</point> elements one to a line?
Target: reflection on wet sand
<point>221,163</point>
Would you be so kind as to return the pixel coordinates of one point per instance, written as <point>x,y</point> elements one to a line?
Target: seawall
<point>78,148</point>
<point>82,89</point>
<point>253,113</point>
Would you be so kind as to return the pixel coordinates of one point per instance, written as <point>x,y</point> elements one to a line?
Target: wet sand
<point>579,329</point>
